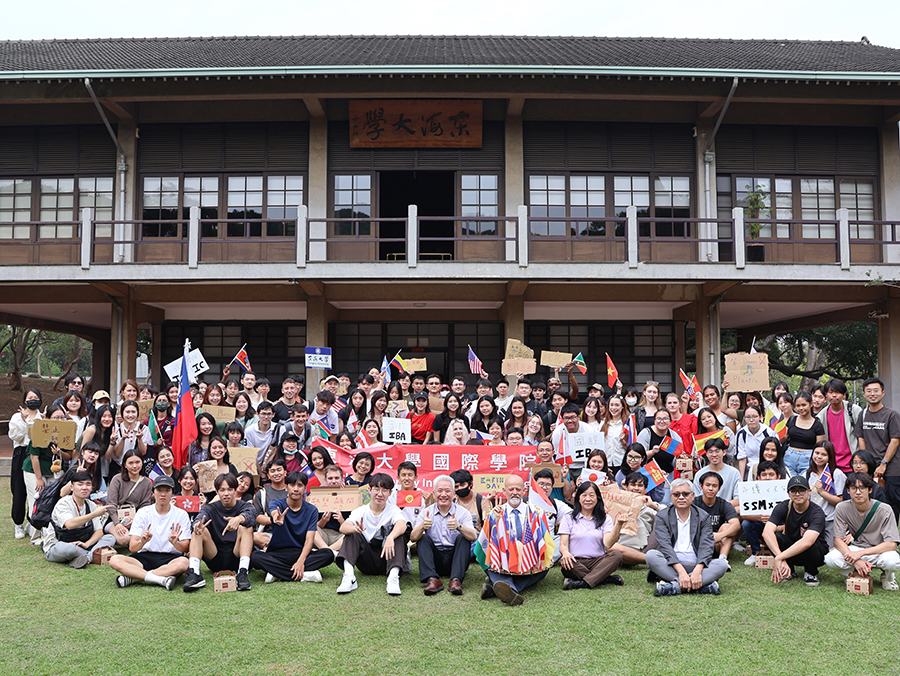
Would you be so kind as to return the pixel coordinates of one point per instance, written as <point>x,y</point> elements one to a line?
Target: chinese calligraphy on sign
<point>398,123</point>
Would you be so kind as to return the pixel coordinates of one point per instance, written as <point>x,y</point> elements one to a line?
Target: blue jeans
<point>518,582</point>
<point>753,532</point>
<point>797,461</point>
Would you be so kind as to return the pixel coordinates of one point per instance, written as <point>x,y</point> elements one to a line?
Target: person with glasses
<point>683,560</point>
<point>866,534</point>
<point>878,431</point>
<point>659,441</point>
<point>803,542</point>
<point>572,424</point>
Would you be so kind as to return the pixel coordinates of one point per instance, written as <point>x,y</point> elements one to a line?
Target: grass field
<point>55,620</point>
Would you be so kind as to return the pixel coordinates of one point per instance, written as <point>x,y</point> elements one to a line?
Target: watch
<point>883,462</point>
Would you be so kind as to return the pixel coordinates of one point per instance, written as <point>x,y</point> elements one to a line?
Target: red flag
<point>185,430</point>
<point>563,453</point>
<point>612,373</point>
<point>409,499</point>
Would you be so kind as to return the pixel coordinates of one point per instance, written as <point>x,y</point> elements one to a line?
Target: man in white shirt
<point>160,536</point>
<point>731,478</point>
<point>76,526</point>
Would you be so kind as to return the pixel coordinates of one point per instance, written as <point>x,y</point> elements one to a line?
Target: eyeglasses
<point>681,494</point>
<point>633,457</point>
<point>651,382</point>
<point>857,489</point>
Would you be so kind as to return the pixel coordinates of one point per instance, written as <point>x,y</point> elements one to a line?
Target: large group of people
<point>120,485</point>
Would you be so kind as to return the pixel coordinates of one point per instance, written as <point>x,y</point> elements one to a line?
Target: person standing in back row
<point>878,431</point>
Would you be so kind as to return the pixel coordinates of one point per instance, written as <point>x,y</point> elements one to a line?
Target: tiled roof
<point>444,51</point>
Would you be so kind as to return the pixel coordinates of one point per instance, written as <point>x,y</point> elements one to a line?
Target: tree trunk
<point>22,346</point>
<point>71,361</point>
<point>815,359</point>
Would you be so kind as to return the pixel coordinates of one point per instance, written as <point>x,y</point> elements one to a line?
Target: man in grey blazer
<point>683,559</point>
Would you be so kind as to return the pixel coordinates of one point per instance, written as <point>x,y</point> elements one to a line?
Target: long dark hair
<point>125,458</point>
<point>215,428</point>
<point>700,412</point>
<point>360,410</point>
<point>250,413</point>
<point>445,414</point>
<point>103,434</point>
<point>479,421</point>
<point>599,514</point>
<point>96,476</point>
<point>780,450</point>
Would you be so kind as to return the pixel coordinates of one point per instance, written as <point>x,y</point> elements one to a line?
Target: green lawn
<point>55,620</point>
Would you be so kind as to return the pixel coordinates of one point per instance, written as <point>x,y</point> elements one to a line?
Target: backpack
<point>45,501</point>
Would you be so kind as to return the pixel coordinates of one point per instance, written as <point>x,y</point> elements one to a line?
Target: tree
<point>71,361</point>
<point>22,344</point>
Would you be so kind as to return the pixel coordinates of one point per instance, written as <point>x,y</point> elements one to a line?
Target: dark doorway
<point>434,192</point>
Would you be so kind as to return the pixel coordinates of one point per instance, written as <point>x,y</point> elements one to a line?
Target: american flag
<point>475,365</point>
<point>338,405</point>
<point>529,558</point>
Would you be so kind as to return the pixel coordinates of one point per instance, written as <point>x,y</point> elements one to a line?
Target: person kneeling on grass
<point>76,526</point>
<point>223,536</point>
<point>803,541</point>
<point>586,536</point>
<point>722,515</point>
<point>683,559</point>
<point>865,534</point>
<point>753,524</point>
<point>160,536</point>
<point>444,532</point>
<point>374,539</point>
<point>290,554</point>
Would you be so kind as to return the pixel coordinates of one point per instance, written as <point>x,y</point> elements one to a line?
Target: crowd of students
<point>840,462</point>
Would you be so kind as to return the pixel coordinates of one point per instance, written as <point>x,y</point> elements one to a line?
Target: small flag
<point>362,441</point>
<point>156,472</point>
<point>242,358</point>
<point>321,429</point>
<point>670,445</point>
<point>612,373</point>
<point>654,474</point>
<point>827,481</point>
<point>579,363</point>
<point>777,424</point>
<point>398,363</point>
<point>338,405</point>
<point>386,370</point>
<point>688,383</point>
<point>753,346</point>
<point>475,365</point>
<point>352,422</point>
<point>409,499</point>
<point>189,503</point>
<point>701,439</point>
<point>484,437</point>
<point>594,475</point>
<point>563,452</point>
<point>153,426</point>
<point>630,425</point>
<point>537,497</point>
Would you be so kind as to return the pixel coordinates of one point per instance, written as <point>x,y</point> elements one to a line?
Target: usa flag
<point>475,365</point>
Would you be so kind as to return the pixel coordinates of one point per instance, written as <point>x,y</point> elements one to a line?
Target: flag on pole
<point>475,365</point>
<point>185,429</point>
<point>579,363</point>
<point>153,426</point>
<point>564,454</point>
<point>777,424</point>
<point>242,358</point>
<point>483,437</point>
<point>753,346</point>
<point>670,445</point>
<point>352,422</point>
<point>156,472</point>
<point>321,429</point>
<point>536,496</point>
<point>688,383</point>
<point>701,439</point>
<point>398,363</point>
<point>338,405</point>
<point>612,373</point>
<point>654,474</point>
<point>630,429</point>
<point>386,370</point>
<point>827,480</point>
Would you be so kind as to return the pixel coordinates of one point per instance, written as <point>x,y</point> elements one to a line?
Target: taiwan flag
<point>185,429</point>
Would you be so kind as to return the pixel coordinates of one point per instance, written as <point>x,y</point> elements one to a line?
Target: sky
<point>878,20</point>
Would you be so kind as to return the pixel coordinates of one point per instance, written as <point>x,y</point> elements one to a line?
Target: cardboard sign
<point>594,475</point>
<point>196,365</point>
<point>516,349</point>
<point>335,499</point>
<point>489,483</point>
<point>189,503</point>
<point>396,430</point>
<point>144,409</point>
<point>244,459</point>
<point>552,466</point>
<point>760,497</point>
<point>206,475</point>
<point>59,432</point>
<point>747,372</point>
<point>396,408</point>
<point>555,359</point>
<point>413,365</point>
<point>616,501</point>
<point>510,367</point>
<point>582,443</point>
<point>223,414</point>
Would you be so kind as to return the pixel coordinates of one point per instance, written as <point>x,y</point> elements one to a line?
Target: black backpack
<point>46,500</point>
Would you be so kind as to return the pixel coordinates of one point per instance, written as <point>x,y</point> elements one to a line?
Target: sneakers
<point>348,584</point>
<point>888,581</point>
<point>169,583</point>
<point>123,581</point>
<point>193,582</point>
<point>751,560</point>
<point>575,584</point>
<point>652,577</point>
<point>667,589</point>
<point>271,578</point>
<point>811,580</point>
<point>738,547</point>
<point>711,588</point>
<point>243,580</point>
<point>20,532</point>
<point>615,579</point>
<point>312,576</point>
<point>80,561</point>
<point>393,585</point>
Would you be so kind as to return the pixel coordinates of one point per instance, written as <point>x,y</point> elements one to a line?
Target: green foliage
<point>755,203</point>
<point>851,351</point>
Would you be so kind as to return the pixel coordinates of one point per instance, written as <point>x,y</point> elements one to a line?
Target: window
<point>587,197</point>
<point>203,192</point>
<point>547,199</point>
<point>97,194</point>
<point>57,204</point>
<point>160,204</point>
<point>283,195</point>
<point>245,199</point>
<point>575,196</point>
<point>632,191</point>
<point>858,197</point>
<point>15,207</point>
<point>353,199</point>
<point>480,197</point>
<point>817,200</point>
<point>672,199</point>
<point>784,202</point>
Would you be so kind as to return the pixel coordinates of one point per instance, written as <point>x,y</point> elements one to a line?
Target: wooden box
<point>765,560</point>
<point>860,584</point>
<point>224,581</point>
<point>102,556</point>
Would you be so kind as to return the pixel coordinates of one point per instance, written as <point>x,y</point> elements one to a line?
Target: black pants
<point>810,560</point>
<point>279,561</point>
<point>435,562</point>
<point>891,487</point>
<point>362,554</point>
<point>17,485</point>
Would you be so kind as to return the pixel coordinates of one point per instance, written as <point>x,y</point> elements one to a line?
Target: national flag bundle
<point>653,472</point>
<point>579,363</point>
<point>483,437</point>
<point>612,373</point>
<point>827,480</point>
<point>536,496</point>
<point>701,439</point>
<point>242,358</point>
<point>185,429</point>
<point>498,549</point>
<point>153,426</point>
<point>398,363</point>
<point>475,365</point>
<point>691,385</point>
<point>156,472</point>
<point>321,429</point>
<point>630,429</point>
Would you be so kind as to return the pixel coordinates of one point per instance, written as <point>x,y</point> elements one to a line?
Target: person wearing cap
<point>803,542</point>
<point>160,536</point>
<point>421,420</point>
<point>100,398</point>
<point>554,383</point>
<point>332,384</point>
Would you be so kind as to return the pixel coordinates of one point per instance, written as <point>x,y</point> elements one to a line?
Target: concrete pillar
<point>157,377</point>
<point>705,373</point>
<point>100,351</point>
<point>318,185</point>
<point>513,316</point>
<point>132,320</point>
<point>117,367</point>
<point>125,130</point>
<point>704,210</point>
<point>514,177</point>
<point>680,359</point>
<point>890,184</point>
<point>319,313</point>
<point>889,352</point>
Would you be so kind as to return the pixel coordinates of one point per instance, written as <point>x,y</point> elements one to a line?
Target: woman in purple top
<point>585,536</point>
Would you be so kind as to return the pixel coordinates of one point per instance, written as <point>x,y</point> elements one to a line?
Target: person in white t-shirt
<point>160,536</point>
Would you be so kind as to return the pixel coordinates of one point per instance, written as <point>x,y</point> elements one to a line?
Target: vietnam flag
<point>185,429</point>
<point>612,373</point>
<point>701,439</point>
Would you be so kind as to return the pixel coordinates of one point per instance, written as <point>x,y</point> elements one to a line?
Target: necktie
<point>518,524</point>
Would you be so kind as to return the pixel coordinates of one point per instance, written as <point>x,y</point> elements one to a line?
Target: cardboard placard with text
<point>335,499</point>
<point>510,367</point>
<point>616,501</point>
<point>60,432</point>
<point>395,408</point>
<point>144,409</point>
<point>413,365</point>
<point>223,414</point>
<point>535,467</point>
<point>747,372</point>
<point>760,497</point>
<point>396,430</point>
<point>582,443</point>
<point>206,475</point>
<point>244,459</point>
<point>555,359</point>
<point>489,483</point>
<point>516,349</point>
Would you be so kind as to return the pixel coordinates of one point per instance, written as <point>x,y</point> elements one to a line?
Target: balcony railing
<point>519,239</point>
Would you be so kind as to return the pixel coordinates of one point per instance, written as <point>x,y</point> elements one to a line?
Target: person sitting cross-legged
<point>722,515</point>
<point>586,536</point>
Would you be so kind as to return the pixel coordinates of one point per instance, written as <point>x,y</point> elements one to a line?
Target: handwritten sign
<point>59,432</point>
<point>396,430</point>
<point>244,459</point>
<point>583,443</point>
<point>397,408</point>
<point>206,475</point>
<point>516,349</point>
<point>510,367</point>
<point>617,501</point>
<point>760,497</point>
<point>430,123</point>
<point>189,503</point>
<point>144,409</point>
<point>223,414</point>
<point>413,365</point>
<point>536,467</point>
<point>747,372</point>
<point>489,483</point>
<point>555,359</point>
<point>335,499</point>
<point>196,365</point>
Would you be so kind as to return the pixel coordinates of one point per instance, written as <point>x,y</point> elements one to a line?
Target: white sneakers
<point>348,584</point>
<point>393,585</point>
<point>750,560</point>
<point>312,576</point>
<point>889,581</point>
<point>20,531</point>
